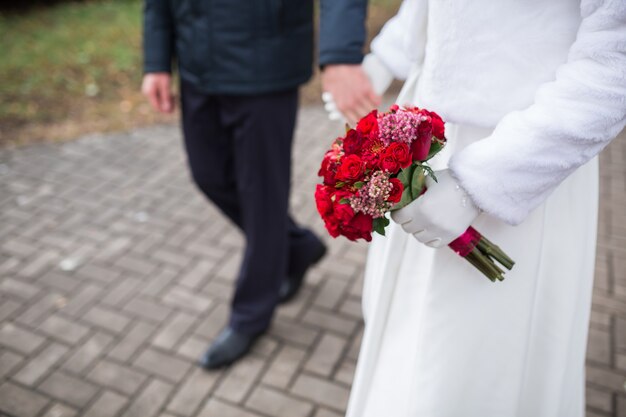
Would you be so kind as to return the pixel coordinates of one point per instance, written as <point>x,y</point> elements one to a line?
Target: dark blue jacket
<point>249,46</point>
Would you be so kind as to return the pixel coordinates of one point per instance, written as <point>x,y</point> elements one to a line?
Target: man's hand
<point>351,90</point>
<point>157,87</point>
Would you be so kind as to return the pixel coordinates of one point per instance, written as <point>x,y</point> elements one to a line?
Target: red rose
<point>396,192</point>
<point>328,168</point>
<point>360,227</point>
<point>332,225</point>
<point>353,142</point>
<point>351,168</point>
<point>439,130</point>
<point>323,201</point>
<point>343,212</point>
<point>400,151</point>
<point>368,125</point>
<point>389,163</point>
<point>421,145</point>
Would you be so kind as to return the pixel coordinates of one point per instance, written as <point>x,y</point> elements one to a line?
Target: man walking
<point>240,64</point>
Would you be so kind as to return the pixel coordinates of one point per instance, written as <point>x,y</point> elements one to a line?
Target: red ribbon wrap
<point>465,244</point>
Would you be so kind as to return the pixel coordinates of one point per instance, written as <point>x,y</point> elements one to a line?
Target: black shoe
<point>290,286</point>
<point>229,346</point>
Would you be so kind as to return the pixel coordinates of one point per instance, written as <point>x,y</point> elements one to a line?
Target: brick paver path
<point>115,275</point>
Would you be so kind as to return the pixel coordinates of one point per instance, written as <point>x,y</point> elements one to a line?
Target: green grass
<point>75,68</point>
<point>55,55</point>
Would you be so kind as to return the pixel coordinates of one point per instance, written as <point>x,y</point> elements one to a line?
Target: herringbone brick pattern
<point>116,273</point>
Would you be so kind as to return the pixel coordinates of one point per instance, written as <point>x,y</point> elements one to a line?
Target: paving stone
<point>60,410</point>
<point>40,364</point>
<point>186,299</point>
<point>20,339</point>
<point>166,366</point>
<point>215,407</point>
<point>196,276</point>
<point>150,400</point>
<point>210,326</point>
<point>41,309</point>
<point>277,404</point>
<point>17,401</point>
<point>331,293</point>
<point>326,355</point>
<point>599,399</point>
<point>84,355</point>
<point>63,329</point>
<point>600,348</point>
<point>192,392</point>
<point>323,392</point>
<point>68,389</point>
<point>329,321</point>
<point>7,308</point>
<point>18,288</point>
<point>117,377</point>
<point>9,361</point>
<point>293,333</point>
<point>240,379</point>
<point>171,333</point>
<point>148,309</point>
<point>132,341</point>
<point>322,412</point>
<point>192,347</point>
<point>106,319</point>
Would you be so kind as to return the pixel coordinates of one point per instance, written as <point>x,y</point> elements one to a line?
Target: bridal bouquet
<point>380,166</point>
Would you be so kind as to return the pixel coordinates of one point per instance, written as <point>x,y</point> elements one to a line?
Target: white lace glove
<point>379,76</point>
<point>441,215</point>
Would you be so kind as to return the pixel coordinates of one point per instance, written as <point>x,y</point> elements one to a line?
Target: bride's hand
<point>441,215</point>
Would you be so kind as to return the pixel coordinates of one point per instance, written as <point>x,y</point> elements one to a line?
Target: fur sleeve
<point>403,38</point>
<point>572,119</point>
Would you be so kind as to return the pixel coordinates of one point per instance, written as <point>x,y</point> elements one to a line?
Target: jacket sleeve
<point>572,119</point>
<point>342,31</point>
<point>406,31</point>
<point>158,32</point>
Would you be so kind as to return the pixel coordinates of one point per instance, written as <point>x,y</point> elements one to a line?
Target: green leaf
<point>344,201</point>
<point>339,184</point>
<point>405,175</point>
<point>379,225</point>
<point>359,184</point>
<point>418,181</point>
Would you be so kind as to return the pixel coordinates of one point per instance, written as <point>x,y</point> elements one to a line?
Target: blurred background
<point>73,67</point>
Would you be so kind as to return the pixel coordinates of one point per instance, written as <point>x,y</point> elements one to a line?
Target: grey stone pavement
<point>115,275</point>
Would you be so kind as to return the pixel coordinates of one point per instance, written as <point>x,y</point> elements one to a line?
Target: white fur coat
<point>550,76</point>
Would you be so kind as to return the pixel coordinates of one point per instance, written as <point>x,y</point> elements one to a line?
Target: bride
<point>531,91</point>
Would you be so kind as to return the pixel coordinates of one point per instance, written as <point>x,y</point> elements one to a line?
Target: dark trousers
<point>239,152</point>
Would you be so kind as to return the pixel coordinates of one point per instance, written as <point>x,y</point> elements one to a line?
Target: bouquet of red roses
<point>381,166</point>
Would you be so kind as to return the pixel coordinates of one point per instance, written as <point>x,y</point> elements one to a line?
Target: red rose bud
<point>368,125</point>
<point>421,145</point>
<point>351,168</point>
<point>396,192</point>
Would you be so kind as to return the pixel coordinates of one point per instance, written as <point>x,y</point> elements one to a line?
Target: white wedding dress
<point>440,339</point>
